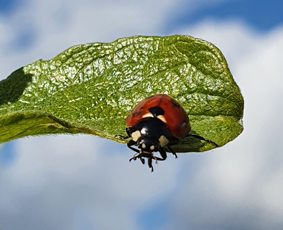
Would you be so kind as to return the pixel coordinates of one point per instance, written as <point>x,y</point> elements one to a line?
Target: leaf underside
<point>91,89</point>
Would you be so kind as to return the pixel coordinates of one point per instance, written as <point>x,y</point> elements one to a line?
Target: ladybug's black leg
<point>149,155</point>
<point>138,154</point>
<point>134,157</point>
<point>142,160</point>
<point>149,162</point>
<point>122,137</point>
<point>163,155</point>
<point>153,157</point>
<point>130,143</point>
<point>201,138</point>
<point>172,151</point>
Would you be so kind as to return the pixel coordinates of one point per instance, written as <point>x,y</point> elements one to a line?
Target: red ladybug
<point>155,123</point>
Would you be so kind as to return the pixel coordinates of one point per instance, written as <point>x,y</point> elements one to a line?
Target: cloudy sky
<point>84,182</point>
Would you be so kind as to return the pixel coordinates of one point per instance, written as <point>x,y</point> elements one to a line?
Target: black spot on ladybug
<point>155,111</point>
<point>175,104</point>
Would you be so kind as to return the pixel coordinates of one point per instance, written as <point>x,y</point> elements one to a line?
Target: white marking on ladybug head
<point>163,141</point>
<point>136,135</point>
<point>152,147</point>
<point>143,145</point>
<point>161,118</point>
<point>147,115</point>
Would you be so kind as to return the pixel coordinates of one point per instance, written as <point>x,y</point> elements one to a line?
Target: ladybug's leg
<point>201,138</point>
<point>141,155</point>
<point>163,155</point>
<point>121,137</point>
<point>124,137</point>
<point>130,143</point>
<point>142,160</point>
<point>137,155</point>
<point>152,157</point>
<point>149,162</point>
<point>172,151</point>
<point>134,157</point>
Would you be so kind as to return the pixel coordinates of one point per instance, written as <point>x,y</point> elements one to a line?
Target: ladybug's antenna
<point>201,138</point>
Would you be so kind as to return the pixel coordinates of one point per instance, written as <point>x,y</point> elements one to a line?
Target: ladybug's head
<point>150,135</point>
<point>148,144</point>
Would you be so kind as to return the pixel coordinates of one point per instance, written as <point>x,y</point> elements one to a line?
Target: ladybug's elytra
<point>157,122</point>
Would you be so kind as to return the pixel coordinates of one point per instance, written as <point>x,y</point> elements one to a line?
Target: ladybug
<point>156,123</point>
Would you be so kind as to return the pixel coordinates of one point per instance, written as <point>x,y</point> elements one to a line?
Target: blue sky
<point>83,182</point>
<point>8,6</point>
<point>260,15</point>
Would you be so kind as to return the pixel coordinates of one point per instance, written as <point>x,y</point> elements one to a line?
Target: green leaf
<point>91,88</point>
